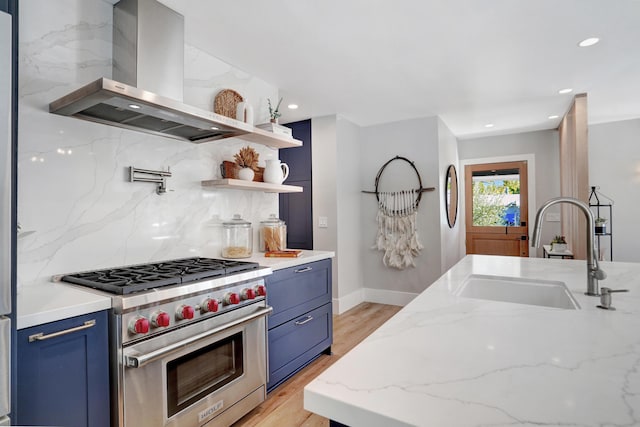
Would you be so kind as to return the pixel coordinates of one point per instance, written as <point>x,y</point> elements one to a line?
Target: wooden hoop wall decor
<point>417,190</point>
<point>397,215</point>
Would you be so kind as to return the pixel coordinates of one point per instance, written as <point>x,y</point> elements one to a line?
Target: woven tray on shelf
<point>230,170</point>
<point>226,102</point>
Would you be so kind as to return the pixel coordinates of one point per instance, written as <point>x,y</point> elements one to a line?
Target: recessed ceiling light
<point>134,106</point>
<point>292,106</point>
<point>567,90</point>
<point>553,117</point>
<point>214,128</point>
<point>489,125</point>
<point>589,42</point>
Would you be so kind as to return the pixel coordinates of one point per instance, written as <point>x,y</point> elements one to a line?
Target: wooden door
<point>496,209</point>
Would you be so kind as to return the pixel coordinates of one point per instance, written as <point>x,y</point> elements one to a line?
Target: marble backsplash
<point>73,189</point>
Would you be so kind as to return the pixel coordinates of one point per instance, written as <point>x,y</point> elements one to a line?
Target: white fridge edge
<point>6,263</point>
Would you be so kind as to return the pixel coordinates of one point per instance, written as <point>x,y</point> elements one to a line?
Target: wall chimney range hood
<point>146,91</point>
<point>117,104</point>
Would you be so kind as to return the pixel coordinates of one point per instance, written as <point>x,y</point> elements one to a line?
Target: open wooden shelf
<point>239,184</point>
<point>270,139</point>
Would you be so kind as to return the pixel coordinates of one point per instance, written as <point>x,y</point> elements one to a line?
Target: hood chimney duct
<point>148,47</point>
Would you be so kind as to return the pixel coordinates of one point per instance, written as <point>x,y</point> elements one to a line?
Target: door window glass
<point>496,198</point>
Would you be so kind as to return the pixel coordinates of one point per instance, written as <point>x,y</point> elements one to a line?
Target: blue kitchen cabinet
<point>301,324</point>
<point>63,379</point>
<point>296,208</point>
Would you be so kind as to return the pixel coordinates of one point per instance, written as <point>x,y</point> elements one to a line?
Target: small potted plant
<point>247,160</point>
<point>558,244</point>
<point>601,225</point>
<point>274,113</point>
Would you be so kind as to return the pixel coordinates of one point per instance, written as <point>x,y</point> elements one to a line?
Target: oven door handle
<point>140,360</point>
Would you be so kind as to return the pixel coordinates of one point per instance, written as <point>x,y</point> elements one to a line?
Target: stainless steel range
<point>188,340</point>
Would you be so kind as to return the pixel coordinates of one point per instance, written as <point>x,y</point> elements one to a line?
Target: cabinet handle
<point>304,270</point>
<point>302,322</point>
<point>41,337</point>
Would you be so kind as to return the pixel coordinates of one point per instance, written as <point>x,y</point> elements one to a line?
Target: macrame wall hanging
<point>397,234</point>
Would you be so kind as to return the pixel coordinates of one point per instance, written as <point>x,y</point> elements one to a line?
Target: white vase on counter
<point>275,172</point>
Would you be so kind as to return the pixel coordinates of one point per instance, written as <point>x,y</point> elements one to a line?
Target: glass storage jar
<point>238,238</point>
<point>273,234</point>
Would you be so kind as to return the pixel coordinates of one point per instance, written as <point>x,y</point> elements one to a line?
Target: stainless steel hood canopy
<point>146,93</point>
<point>117,104</point>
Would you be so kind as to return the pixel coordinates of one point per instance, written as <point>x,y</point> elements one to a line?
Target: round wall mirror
<point>451,195</point>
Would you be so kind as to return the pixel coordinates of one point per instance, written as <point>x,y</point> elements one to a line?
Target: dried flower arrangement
<point>247,157</point>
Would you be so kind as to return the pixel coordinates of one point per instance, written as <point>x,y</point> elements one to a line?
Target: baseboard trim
<point>379,296</point>
<point>384,296</point>
<point>347,302</point>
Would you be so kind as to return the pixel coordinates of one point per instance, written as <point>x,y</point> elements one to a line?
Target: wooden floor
<point>284,405</point>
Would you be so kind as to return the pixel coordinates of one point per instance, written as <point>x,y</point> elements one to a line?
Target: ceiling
<point>470,62</point>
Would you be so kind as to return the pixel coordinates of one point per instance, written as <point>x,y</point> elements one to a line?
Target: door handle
<point>303,270</point>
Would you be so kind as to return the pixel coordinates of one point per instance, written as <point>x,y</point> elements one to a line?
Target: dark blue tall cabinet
<point>296,208</point>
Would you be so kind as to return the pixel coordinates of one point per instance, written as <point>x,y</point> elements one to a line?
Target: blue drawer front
<point>296,290</point>
<point>297,342</point>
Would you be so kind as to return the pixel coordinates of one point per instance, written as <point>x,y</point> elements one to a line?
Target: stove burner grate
<point>137,278</point>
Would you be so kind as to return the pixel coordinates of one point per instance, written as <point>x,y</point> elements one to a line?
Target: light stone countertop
<point>281,263</point>
<point>445,360</point>
<point>49,301</point>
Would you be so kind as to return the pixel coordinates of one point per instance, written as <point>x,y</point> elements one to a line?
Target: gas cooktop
<point>141,277</point>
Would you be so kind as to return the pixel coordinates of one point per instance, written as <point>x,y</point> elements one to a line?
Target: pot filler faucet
<point>594,273</point>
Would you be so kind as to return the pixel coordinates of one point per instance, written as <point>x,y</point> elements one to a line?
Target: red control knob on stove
<point>185,312</point>
<point>261,290</point>
<point>139,325</point>
<point>209,305</point>
<point>248,294</point>
<point>231,298</point>
<point>160,319</point>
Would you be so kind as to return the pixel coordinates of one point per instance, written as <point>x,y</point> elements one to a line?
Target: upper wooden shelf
<point>239,184</point>
<point>270,139</point>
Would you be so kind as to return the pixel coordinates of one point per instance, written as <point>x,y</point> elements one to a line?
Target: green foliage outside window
<point>513,186</point>
<point>488,206</point>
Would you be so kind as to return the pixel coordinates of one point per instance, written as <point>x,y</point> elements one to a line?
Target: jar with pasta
<point>273,234</point>
<point>238,238</point>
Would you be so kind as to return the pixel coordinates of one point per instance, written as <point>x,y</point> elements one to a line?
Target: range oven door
<point>215,369</point>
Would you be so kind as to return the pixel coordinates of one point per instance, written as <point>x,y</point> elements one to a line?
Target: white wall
<point>348,190</point>
<point>325,203</point>
<point>73,190</point>
<point>614,166</point>
<point>544,147</point>
<point>418,141</point>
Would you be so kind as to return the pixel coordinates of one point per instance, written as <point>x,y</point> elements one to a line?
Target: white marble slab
<point>50,302</point>
<point>446,360</point>
<point>73,190</point>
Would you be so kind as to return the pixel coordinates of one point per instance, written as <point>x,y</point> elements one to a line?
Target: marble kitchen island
<point>446,360</point>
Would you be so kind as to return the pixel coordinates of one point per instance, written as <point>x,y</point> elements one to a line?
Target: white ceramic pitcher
<point>275,172</point>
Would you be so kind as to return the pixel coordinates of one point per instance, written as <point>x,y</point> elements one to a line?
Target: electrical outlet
<point>323,222</point>
<point>553,217</point>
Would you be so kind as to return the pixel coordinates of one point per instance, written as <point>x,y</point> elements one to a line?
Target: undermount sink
<point>548,293</point>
